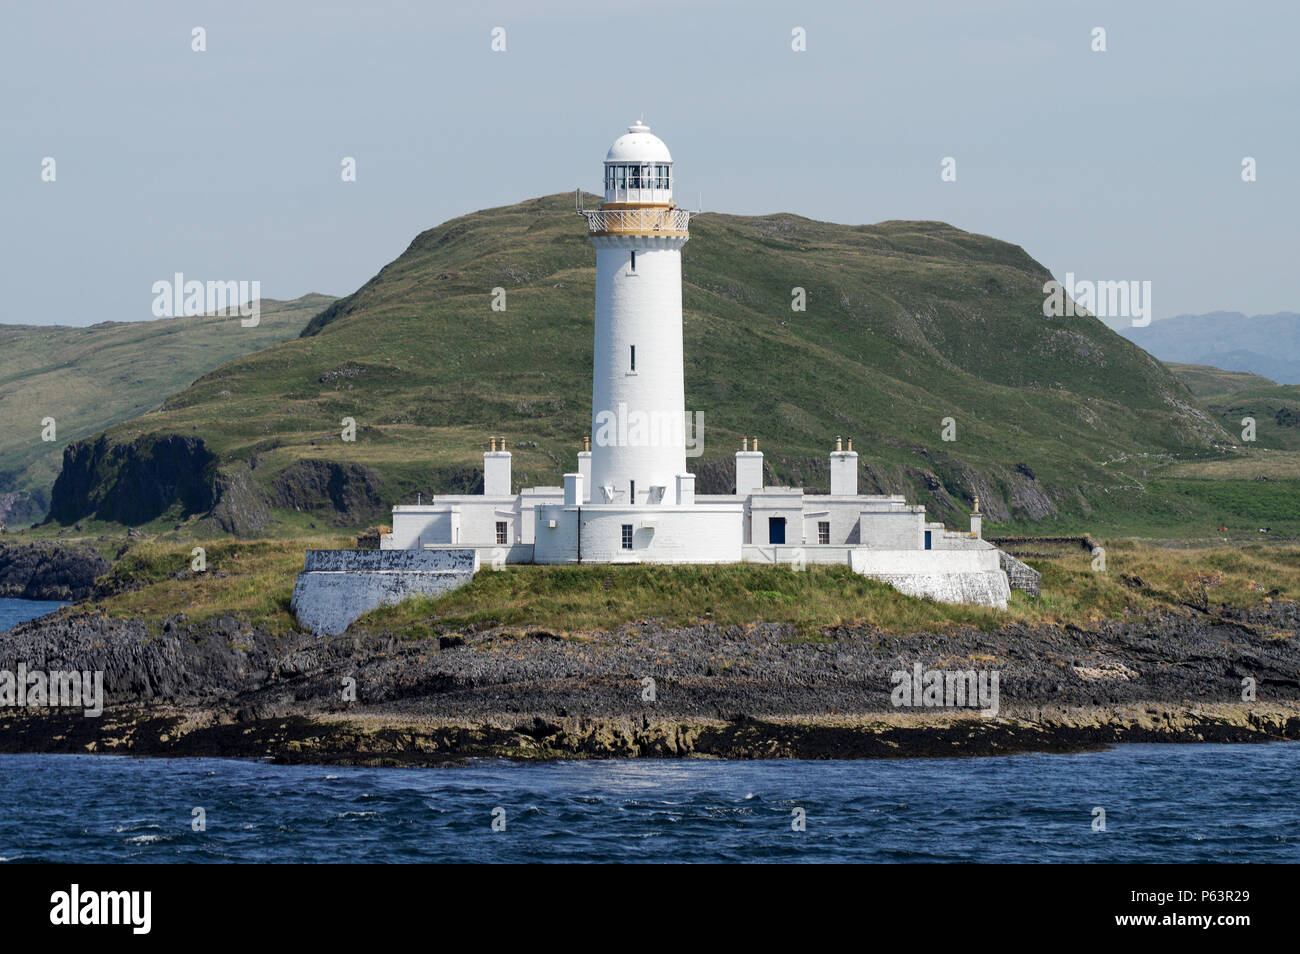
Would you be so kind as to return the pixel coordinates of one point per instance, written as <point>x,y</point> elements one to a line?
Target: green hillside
<point>1205,380</point>
<point>1275,410</point>
<point>907,323</point>
<point>93,377</point>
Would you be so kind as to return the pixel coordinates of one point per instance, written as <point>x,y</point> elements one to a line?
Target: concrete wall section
<point>338,586</point>
<point>950,576</point>
<point>1020,576</point>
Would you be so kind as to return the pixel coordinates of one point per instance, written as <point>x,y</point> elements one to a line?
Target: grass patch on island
<point>253,580</point>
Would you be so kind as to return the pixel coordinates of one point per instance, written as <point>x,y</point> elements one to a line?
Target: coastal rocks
<point>761,690</point>
<point>387,741</point>
<point>48,571</point>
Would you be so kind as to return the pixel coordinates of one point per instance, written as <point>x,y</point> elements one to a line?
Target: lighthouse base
<point>609,533</point>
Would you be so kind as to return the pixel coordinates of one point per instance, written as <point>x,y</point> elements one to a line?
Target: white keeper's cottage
<point>631,498</point>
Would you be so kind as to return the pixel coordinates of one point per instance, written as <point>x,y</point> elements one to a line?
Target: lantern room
<point>638,169</point>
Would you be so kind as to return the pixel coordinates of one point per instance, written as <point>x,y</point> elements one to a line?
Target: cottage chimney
<point>844,471</point>
<point>749,468</point>
<point>584,469</point>
<point>976,520</point>
<point>496,471</point>
<point>573,491</point>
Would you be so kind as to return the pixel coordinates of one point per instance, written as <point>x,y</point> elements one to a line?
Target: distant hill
<point>1204,380</point>
<point>1268,345</point>
<point>907,324</point>
<point>93,377</point>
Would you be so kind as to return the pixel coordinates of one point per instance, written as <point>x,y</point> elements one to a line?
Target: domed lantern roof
<point>638,144</point>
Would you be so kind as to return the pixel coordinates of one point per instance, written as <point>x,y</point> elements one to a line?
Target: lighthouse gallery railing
<point>637,221</point>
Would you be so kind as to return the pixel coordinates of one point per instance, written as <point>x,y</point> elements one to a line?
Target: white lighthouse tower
<point>638,394</point>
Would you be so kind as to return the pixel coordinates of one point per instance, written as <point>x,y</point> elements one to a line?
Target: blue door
<point>927,539</point>
<point>776,529</point>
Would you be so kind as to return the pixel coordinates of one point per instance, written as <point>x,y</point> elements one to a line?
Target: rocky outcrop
<point>348,493</point>
<point>48,571</point>
<point>21,507</point>
<point>135,482</point>
<point>241,507</point>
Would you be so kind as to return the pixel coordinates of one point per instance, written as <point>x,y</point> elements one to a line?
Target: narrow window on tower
<point>634,260</point>
<point>632,490</point>
<point>633,368</point>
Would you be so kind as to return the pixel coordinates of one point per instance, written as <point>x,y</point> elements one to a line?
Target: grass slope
<point>907,323</point>
<point>254,581</point>
<point>90,378</point>
<point>1205,380</point>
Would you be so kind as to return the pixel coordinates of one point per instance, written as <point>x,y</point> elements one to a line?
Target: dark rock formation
<point>349,493</point>
<point>48,571</point>
<point>133,483</point>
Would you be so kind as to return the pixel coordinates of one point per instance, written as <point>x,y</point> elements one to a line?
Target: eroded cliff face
<point>133,483</point>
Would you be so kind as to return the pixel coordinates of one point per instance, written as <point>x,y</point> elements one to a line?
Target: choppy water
<point>1163,803</point>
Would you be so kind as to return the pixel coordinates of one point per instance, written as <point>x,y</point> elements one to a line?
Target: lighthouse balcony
<point>644,221</point>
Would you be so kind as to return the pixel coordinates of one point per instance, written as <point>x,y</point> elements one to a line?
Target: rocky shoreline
<point>385,740</point>
<point>48,571</point>
<point>648,690</point>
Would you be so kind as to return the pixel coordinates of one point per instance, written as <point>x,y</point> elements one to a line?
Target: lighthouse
<point>638,392</point>
<point>631,498</point>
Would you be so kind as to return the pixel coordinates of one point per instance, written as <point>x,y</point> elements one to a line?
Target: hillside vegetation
<point>907,324</point>
<point>93,377</point>
<point>1205,380</point>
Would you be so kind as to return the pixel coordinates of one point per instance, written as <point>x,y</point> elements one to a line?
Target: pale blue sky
<point>224,165</point>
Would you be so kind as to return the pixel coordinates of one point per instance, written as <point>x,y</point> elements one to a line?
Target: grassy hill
<point>1205,380</point>
<point>1057,420</point>
<point>93,377</point>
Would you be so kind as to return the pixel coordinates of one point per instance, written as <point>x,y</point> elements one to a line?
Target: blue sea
<point>1162,803</point>
<point>13,612</point>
